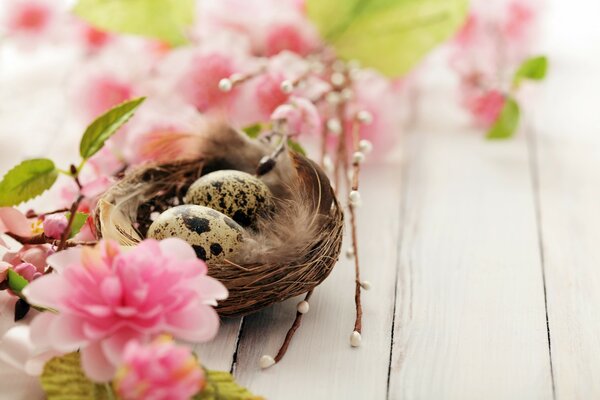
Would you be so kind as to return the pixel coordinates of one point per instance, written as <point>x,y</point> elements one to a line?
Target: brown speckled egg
<point>236,194</point>
<point>213,235</point>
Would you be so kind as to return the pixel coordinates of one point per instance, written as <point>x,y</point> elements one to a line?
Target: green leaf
<point>105,126</point>
<point>16,282</point>
<point>221,386</point>
<point>78,222</point>
<point>533,68</point>
<point>295,146</point>
<point>508,121</point>
<point>26,181</point>
<point>389,35</point>
<point>166,20</point>
<point>253,130</point>
<point>63,379</point>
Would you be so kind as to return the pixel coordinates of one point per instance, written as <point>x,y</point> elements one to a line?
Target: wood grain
<point>320,364</point>
<point>470,315</point>
<point>566,145</point>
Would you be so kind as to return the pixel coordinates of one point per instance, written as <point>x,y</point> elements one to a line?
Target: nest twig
<point>252,286</point>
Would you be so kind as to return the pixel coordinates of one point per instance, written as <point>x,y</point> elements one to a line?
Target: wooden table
<point>484,259</point>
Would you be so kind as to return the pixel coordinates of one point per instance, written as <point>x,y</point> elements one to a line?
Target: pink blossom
<point>300,116</point>
<point>519,17</point>
<point>282,37</point>
<point>32,254</point>
<point>105,296</point>
<point>200,84</point>
<point>29,17</point>
<point>100,92</point>
<point>14,221</point>
<point>467,34</point>
<point>55,225</point>
<point>27,271</point>
<point>269,94</point>
<point>486,107</point>
<point>94,38</point>
<point>160,370</point>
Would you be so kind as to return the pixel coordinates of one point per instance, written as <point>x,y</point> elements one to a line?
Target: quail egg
<point>213,235</point>
<point>236,194</point>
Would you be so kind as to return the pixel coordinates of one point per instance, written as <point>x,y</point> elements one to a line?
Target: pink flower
<point>160,370</point>
<point>101,92</point>
<point>269,94</point>
<point>486,107</point>
<point>106,296</point>
<point>200,84</point>
<point>284,36</point>
<point>55,225</point>
<point>27,271</point>
<point>14,221</point>
<point>32,254</point>
<point>519,17</point>
<point>94,38</point>
<point>29,17</point>
<point>300,116</point>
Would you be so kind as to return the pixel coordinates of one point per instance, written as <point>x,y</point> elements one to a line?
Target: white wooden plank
<point>218,354</point>
<point>470,316</point>
<point>320,364</point>
<point>567,148</point>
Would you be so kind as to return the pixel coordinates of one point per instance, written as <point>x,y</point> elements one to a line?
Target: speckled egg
<point>236,194</point>
<point>213,235</point>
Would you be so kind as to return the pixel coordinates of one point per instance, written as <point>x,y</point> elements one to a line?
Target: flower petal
<point>66,333</point>
<point>195,323</point>
<point>12,220</point>
<point>95,364</point>
<point>63,259</point>
<point>210,290</point>
<point>177,249</point>
<point>46,291</point>
<point>114,346</point>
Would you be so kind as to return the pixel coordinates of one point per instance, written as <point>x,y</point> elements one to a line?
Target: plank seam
<point>535,182</point>
<point>400,231</point>
<point>238,340</point>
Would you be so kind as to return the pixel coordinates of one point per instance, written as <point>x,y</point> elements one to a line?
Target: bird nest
<point>292,250</point>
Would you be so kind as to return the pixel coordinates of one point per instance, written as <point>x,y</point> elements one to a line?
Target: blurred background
<point>57,71</point>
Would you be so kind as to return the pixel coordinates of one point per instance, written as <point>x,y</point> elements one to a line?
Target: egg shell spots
<point>239,195</point>
<point>213,235</point>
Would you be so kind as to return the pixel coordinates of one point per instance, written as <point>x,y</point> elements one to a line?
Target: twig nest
<point>237,194</point>
<point>213,235</point>
<point>286,252</point>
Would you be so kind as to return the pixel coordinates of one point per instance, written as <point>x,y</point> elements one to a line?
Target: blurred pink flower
<point>374,93</point>
<point>466,36</point>
<point>519,17</point>
<point>269,94</point>
<point>486,107</point>
<point>32,254</point>
<point>94,38</point>
<point>106,297</point>
<point>280,24</point>
<point>100,92</point>
<point>300,116</point>
<point>29,17</point>
<point>14,221</point>
<point>200,83</point>
<point>160,370</point>
<point>27,271</point>
<point>282,36</point>
<point>55,225</point>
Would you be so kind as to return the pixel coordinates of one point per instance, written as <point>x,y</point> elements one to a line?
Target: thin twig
<point>67,231</point>
<point>291,332</point>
